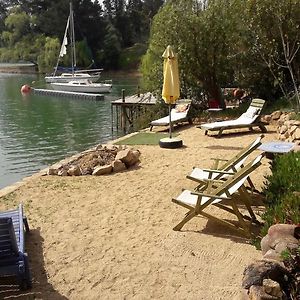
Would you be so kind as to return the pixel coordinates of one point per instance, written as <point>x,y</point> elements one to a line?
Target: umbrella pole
<point>170,127</point>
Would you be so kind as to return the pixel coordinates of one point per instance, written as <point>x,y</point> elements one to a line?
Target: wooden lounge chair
<point>13,259</point>
<point>249,119</point>
<point>179,114</point>
<point>232,165</point>
<point>221,196</point>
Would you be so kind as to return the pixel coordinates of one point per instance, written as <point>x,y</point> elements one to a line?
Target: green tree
<point>111,47</point>
<point>17,25</point>
<point>273,40</point>
<point>48,57</point>
<point>202,37</point>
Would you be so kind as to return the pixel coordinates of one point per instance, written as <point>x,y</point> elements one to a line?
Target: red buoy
<point>25,89</point>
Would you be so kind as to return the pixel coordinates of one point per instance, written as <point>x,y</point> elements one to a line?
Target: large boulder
<point>279,238</point>
<point>118,166</point>
<point>128,157</point>
<point>74,171</point>
<point>102,170</point>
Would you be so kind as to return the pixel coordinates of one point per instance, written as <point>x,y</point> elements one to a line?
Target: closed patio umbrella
<point>170,90</point>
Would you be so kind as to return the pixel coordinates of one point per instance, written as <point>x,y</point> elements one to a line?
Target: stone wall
<point>288,129</point>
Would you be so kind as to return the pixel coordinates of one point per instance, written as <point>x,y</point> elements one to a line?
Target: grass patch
<point>144,138</point>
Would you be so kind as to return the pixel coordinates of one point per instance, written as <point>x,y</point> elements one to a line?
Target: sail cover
<point>63,49</point>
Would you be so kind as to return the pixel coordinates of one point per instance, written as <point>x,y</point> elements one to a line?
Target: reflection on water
<point>36,131</point>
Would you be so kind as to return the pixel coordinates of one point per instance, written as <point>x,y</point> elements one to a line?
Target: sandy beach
<point>111,237</point>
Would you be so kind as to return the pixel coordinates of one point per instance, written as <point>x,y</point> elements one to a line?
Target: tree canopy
<point>224,43</point>
<point>24,21</point>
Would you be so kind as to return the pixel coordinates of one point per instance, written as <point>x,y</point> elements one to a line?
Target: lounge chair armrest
<point>210,196</point>
<point>219,172</point>
<point>217,162</point>
<point>219,159</point>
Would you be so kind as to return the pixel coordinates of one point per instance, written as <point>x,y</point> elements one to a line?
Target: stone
<point>52,171</point>
<point>276,115</point>
<point>296,134</point>
<point>296,148</point>
<point>286,135</point>
<point>281,229</point>
<point>118,166</point>
<point>283,129</point>
<point>272,255</point>
<point>258,293</point>
<point>128,157</point>
<point>74,171</point>
<point>272,288</point>
<point>296,122</point>
<point>63,172</point>
<point>279,238</point>
<point>257,271</point>
<point>292,129</point>
<point>102,170</point>
<point>266,118</point>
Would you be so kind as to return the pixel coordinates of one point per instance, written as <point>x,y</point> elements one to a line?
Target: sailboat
<point>74,74</point>
<point>82,86</point>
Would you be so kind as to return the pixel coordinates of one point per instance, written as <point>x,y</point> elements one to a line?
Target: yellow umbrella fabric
<point>170,91</point>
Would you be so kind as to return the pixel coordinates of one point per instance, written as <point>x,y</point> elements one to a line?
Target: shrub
<point>282,191</point>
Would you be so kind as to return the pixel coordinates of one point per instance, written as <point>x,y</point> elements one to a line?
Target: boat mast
<point>72,38</point>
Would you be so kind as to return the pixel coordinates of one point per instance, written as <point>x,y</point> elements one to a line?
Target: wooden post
<point>123,112</point>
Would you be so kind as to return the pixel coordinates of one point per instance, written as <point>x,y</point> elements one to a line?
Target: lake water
<point>36,131</point>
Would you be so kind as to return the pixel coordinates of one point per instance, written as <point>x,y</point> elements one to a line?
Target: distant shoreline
<point>18,68</point>
<point>25,68</point>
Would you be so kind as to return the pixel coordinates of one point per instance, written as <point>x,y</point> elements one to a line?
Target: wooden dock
<point>130,108</point>
<point>88,96</point>
<point>141,99</point>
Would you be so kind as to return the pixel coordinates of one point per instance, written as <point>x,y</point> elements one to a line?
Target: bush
<point>282,191</point>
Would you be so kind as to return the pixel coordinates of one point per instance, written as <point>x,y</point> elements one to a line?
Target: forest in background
<point>112,34</point>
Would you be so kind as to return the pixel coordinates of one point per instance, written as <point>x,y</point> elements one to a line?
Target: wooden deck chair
<point>13,258</point>
<point>222,197</point>
<point>249,119</point>
<point>232,165</point>
<point>179,114</point>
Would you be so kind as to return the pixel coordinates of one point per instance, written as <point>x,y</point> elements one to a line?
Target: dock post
<point>123,112</point>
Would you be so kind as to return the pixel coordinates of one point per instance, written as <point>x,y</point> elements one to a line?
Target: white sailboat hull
<point>67,77</point>
<point>82,87</point>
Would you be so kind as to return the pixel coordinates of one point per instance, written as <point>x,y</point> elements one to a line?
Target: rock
<point>283,129</point>
<point>102,170</point>
<point>282,229</point>
<point>296,134</point>
<point>276,115</point>
<point>74,171</point>
<point>296,148</point>
<point>258,293</point>
<point>52,171</point>
<point>63,172</point>
<point>272,255</point>
<point>118,166</point>
<point>272,288</point>
<point>279,238</point>
<point>296,122</point>
<point>257,271</point>
<point>266,118</point>
<point>128,157</point>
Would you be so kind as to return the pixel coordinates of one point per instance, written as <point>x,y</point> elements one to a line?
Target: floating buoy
<point>25,89</point>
